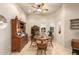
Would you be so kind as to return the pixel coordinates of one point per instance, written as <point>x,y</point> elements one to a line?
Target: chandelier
<point>39,8</point>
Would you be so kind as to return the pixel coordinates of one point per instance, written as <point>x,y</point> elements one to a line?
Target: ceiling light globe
<point>39,10</point>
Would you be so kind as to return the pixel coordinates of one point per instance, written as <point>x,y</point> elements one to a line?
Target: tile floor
<point>56,50</point>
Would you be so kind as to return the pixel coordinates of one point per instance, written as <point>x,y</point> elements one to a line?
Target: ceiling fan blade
<point>45,9</point>
<point>33,6</point>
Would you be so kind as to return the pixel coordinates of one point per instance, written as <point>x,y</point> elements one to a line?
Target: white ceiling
<point>52,7</point>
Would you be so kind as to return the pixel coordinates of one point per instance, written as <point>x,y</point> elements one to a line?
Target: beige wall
<point>71,12</point>
<point>9,11</point>
<point>63,16</point>
<point>59,15</point>
<point>46,21</point>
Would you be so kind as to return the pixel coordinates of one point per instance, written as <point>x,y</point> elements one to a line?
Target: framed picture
<point>43,29</point>
<point>74,23</point>
<point>52,29</point>
<point>3,22</point>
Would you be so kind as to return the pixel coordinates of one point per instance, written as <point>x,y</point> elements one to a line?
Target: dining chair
<point>50,41</point>
<point>33,42</point>
<point>41,46</point>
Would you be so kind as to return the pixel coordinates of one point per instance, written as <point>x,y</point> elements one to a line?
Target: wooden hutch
<point>19,36</point>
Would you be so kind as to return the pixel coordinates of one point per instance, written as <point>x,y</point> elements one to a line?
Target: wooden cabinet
<point>75,43</point>
<point>75,46</point>
<point>19,36</point>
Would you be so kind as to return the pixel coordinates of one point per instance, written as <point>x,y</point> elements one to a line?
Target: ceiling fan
<point>39,7</point>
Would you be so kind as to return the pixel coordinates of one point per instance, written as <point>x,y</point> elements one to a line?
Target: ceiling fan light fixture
<point>29,11</point>
<point>39,10</point>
